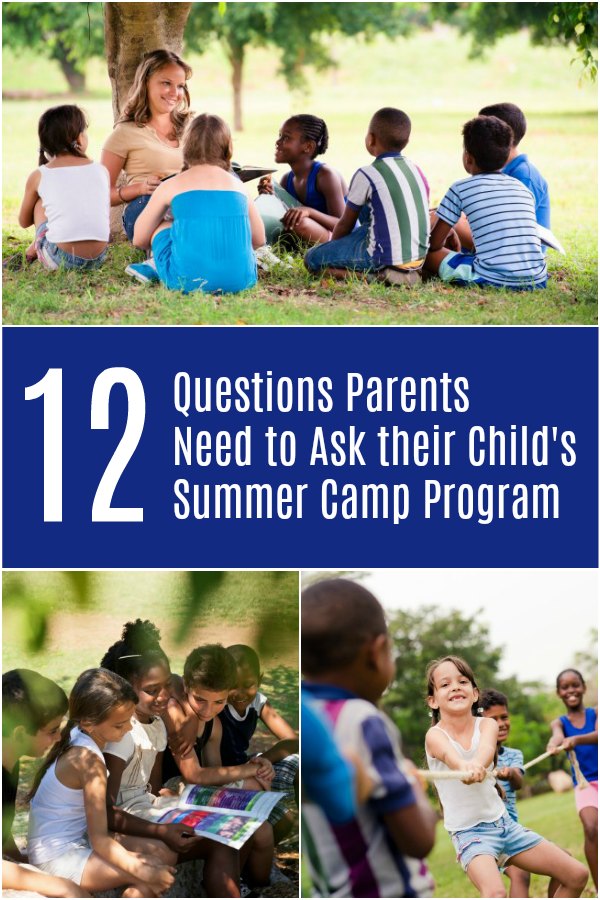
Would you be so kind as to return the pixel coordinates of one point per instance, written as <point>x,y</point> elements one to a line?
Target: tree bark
<point>236,58</point>
<point>132,29</point>
<point>75,78</point>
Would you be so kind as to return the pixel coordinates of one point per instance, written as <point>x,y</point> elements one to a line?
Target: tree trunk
<point>236,58</point>
<point>132,29</point>
<point>75,78</point>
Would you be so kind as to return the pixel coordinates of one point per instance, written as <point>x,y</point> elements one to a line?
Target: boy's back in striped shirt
<point>396,194</point>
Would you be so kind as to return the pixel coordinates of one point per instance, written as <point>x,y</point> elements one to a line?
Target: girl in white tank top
<point>67,197</point>
<point>483,834</point>
<point>68,834</point>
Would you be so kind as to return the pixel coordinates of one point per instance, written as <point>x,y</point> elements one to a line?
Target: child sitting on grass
<point>208,244</point>
<point>517,166</point>
<point>315,191</point>
<point>510,776</point>
<point>500,212</point>
<point>239,718</point>
<point>67,197</point>
<point>347,662</point>
<point>68,829</point>
<point>394,193</point>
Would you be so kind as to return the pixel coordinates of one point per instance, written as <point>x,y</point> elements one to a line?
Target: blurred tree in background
<point>570,24</point>
<point>297,31</point>
<point>70,33</point>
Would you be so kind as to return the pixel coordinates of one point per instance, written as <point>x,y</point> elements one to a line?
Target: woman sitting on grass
<point>146,141</point>
<point>208,245</point>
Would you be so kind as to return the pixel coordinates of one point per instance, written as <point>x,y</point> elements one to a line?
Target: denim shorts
<point>501,839</point>
<point>348,252</point>
<point>53,257</point>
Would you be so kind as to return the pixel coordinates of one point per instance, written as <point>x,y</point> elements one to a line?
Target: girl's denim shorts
<point>501,839</point>
<point>53,257</point>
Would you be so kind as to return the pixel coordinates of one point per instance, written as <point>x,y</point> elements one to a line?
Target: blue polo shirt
<point>524,171</point>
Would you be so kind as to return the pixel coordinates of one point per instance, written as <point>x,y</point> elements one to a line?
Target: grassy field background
<point>431,77</point>
<point>551,815</point>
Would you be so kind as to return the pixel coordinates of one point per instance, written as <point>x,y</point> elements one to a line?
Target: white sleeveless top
<point>57,820</point>
<point>465,805</point>
<point>138,749</point>
<point>77,202</point>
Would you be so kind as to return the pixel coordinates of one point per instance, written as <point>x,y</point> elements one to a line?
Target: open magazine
<point>227,815</point>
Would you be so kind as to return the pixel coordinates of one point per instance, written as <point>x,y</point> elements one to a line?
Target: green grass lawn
<point>552,815</point>
<point>440,88</point>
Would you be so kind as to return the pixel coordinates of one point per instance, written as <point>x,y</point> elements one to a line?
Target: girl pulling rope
<point>482,832</point>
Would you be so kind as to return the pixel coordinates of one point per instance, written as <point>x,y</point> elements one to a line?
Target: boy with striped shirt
<point>391,196</point>
<point>501,214</point>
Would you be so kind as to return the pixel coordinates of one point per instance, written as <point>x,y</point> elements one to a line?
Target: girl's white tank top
<point>465,805</point>
<point>57,820</point>
<point>77,202</point>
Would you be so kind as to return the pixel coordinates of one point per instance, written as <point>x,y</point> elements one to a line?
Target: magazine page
<point>232,829</point>
<point>256,803</point>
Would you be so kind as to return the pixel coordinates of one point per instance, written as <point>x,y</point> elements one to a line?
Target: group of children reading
<point>134,733</point>
<point>367,824</point>
<point>203,232</point>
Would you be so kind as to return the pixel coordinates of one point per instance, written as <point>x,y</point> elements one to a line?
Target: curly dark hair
<point>512,115</point>
<point>491,697</point>
<point>488,140</point>
<point>137,651</point>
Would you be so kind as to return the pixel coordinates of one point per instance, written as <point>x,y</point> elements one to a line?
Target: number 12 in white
<point>50,388</point>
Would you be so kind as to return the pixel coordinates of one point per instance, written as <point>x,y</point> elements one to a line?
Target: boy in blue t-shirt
<point>510,776</point>
<point>500,212</point>
<point>518,164</point>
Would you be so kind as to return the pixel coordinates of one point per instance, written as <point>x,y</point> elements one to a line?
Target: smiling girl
<point>146,141</point>
<point>319,189</point>
<point>578,731</point>
<point>483,834</point>
<point>68,830</point>
<point>135,762</point>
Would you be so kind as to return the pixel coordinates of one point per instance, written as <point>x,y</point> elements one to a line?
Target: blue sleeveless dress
<point>587,754</point>
<point>209,246</point>
<point>314,198</point>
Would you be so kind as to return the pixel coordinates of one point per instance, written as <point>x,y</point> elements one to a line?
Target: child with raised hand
<point>134,763</point>
<point>484,835</point>
<point>510,773</point>
<point>392,194</point>
<point>500,213</point>
<point>207,242</point>
<point>67,197</point>
<point>209,674</point>
<point>577,730</point>
<point>318,189</point>
<point>347,664</point>
<point>246,704</point>
<point>68,830</point>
